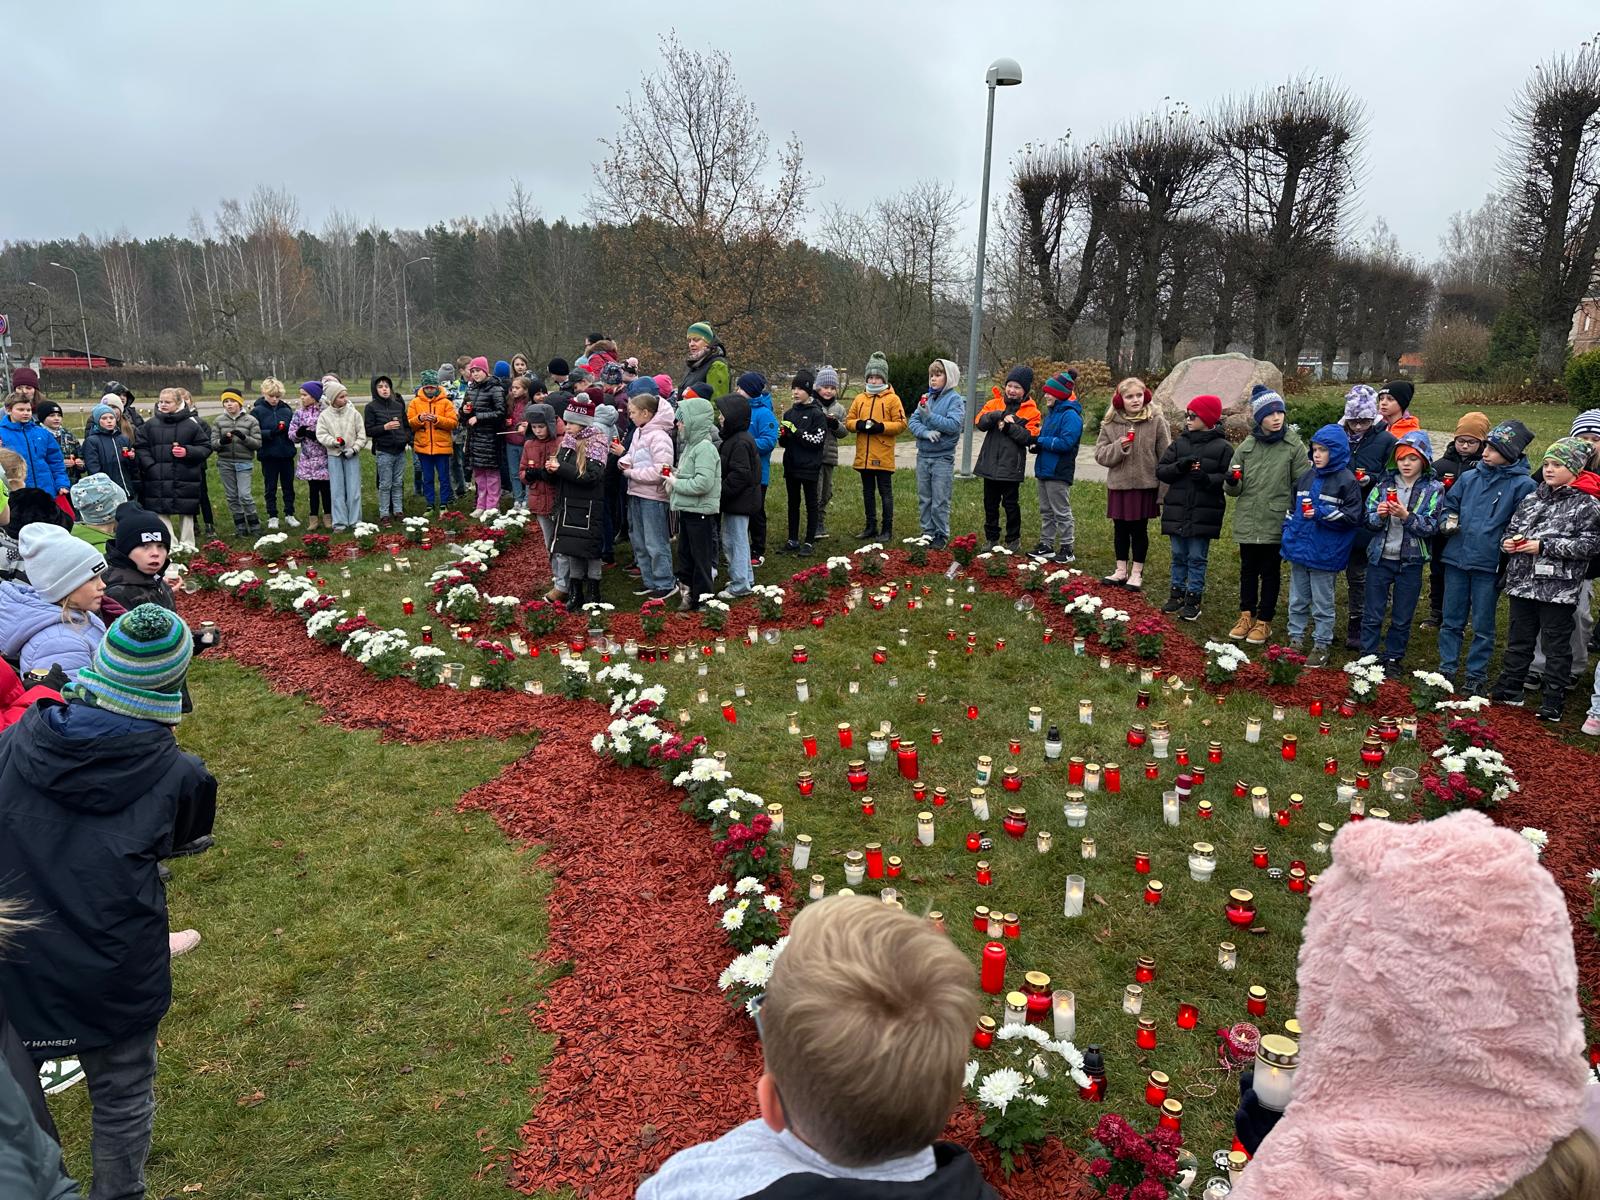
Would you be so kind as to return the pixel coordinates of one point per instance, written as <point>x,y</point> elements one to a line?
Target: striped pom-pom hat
<point>139,665</point>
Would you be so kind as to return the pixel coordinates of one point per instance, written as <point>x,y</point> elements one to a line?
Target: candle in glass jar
<point>775,814</point>
<point>869,806</point>
<point>1260,803</point>
<point>1091,777</point>
<point>984,770</point>
<point>1052,743</point>
<point>983,875</point>
<point>1144,969</point>
<point>794,725</point>
<point>1036,986</point>
<point>1172,1115</point>
<point>992,975</point>
<point>996,926</point>
<point>1169,808</point>
<point>1011,779</point>
<point>1132,999</point>
<point>895,866</point>
<point>979,800</point>
<point>855,867</point>
<point>808,742</point>
<point>802,852</point>
<point>1145,1035</point>
<point>1015,822</point>
<point>819,887</point>
<point>802,690</point>
<point>1086,712</point>
<point>1160,739</point>
<point>1290,747</point>
<point>1073,905</point>
<point>1137,736</point>
<point>1241,908</point>
<point>847,737</point>
<point>804,783</point>
<point>936,736</point>
<point>983,1035</point>
<point>941,797</point>
<point>1315,708</point>
<point>980,918</point>
<point>856,775</point>
<point>1256,1001</point>
<point>1076,810</point>
<point>1141,862</point>
<point>1155,1088</point>
<point>1204,809</point>
<point>1252,730</point>
<point>907,759</point>
<point>1152,770</point>
<point>1188,1016</point>
<point>877,748</point>
<point>1297,879</point>
<point>1064,1010</point>
<point>1227,955</point>
<point>972,712</point>
<point>1153,891</point>
<point>1087,848</point>
<point>1014,745</point>
<point>925,829</point>
<point>1035,719</point>
<point>1202,861</point>
<point>1214,752</point>
<point>1113,778</point>
<point>1016,1009</point>
<point>1041,841</point>
<point>1277,1057</point>
<point>1258,857</point>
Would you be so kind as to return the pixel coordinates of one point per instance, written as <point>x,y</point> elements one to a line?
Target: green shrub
<point>1513,386</point>
<point>1311,415</point>
<point>1582,378</point>
<point>1094,411</point>
<point>908,374</point>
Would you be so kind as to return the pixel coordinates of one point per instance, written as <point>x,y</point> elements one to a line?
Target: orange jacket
<point>875,450</point>
<point>432,437</point>
<point>1405,424</point>
<point>1028,414</point>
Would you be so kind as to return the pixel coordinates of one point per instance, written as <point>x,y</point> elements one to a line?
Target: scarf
<point>1267,439</point>
<point>595,443</point>
<point>1142,415</point>
<point>876,389</point>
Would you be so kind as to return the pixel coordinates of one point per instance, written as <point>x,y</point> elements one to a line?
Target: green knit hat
<point>702,329</point>
<point>430,378</point>
<point>139,665</point>
<point>877,365</point>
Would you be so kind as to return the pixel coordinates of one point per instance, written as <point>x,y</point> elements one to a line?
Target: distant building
<point>1586,326</point>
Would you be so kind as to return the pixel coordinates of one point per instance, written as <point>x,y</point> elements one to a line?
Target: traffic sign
<point>5,325</point>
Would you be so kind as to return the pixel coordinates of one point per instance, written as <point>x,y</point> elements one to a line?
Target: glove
<point>1252,1123</point>
<point>935,436</point>
<point>863,426</point>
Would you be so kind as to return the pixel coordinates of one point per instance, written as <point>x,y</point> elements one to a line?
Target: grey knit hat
<point>827,377</point>
<point>96,498</point>
<point>57,564</point>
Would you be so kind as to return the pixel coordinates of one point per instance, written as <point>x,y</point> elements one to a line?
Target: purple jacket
<point>313,461</point>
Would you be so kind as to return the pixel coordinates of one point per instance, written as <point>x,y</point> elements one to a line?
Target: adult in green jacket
<point>1261,484</point>
<point>696,487</point>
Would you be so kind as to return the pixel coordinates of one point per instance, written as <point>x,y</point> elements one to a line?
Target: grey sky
<point>131,115</point>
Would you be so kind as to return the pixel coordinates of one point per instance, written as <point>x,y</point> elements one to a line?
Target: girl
<point>235,438</point>
<point>1261,482</point>
<point>1193,469</point>
<point>936,423</point>
<point>878,418</point>
<point>343,437</point>
<point>173,447</point>
<point>801,433</point>
<point>696,490</point>
<point>826,390</point>
<point>108,450</point>
<point>522,390</point>
<point>313,464</point>
<point>541,485</point>
<point>53,620</point>
<point>277,451</point>
<point>484,414</point>
<point>579,466</point>
<point>1129,446</point>
<point>520,368</point>
<point>646,466</point>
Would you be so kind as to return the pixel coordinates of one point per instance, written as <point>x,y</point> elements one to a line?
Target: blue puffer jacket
<point>1322,541</point>
<point>944,414</point>
<point>32,633</point>
<point>1483,501</point>
<point>1057,443</point>
<point>40,451</point>
<point>764,428</point>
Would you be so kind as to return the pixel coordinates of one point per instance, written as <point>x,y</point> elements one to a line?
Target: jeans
<point>416,472</point>
<point>344,484</point>
<point>391,483</point>
<point>876,486</point>
<point>1531,620</point>
<point>434,466</point>
<point>1056,526</point>
<point>1190,556</point>
<point>1260,578</point>
<point>519,489</point>
<point>697,554</point>
<point>458,467</point>
<point>935,480</point>
<point>236,480</point>
<point>824,494</point>
<point>998,493</point>
<point>1311,597</point>
<point>802,489</point>
<point>488,481</point>
<point>1384,577</point>
<point>736,545</point>
<point>1583,626</point>
<point>558,562</point>
<point>1474,593</point>
<point>652,542</point>
<point>122,1095</point>
<point>277,475</point>
<point>758,528</point>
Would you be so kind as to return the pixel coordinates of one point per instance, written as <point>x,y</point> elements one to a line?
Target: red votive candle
<point>1256,1001</point>
<point>847,737</point>
<point>1188,1016</point>
<point>906,756</point>
<point>1155,1090</point>
<point>992,975</point>
<point>874,860</point>
<point>809,742</point>
<point>983,1035</point>
<point>1074,772</point>
<point>1145,1037</point>
<point>1290,747</point>
<point>1144,970</point>
<point>1113,777</point>
<point>856,775</point>
<point>805,783</point>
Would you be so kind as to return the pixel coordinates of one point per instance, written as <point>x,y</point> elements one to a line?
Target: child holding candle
<point>877,418</point>
<point>343,436</point>
<point>1129,446</point>
<point>866,1028</point>
<point>432,416</point>
<point>936,423</point>
<point>802,432</point>
<point>827,392</point>
<point>1404,509</point>
<point>1550,538</point>
<point>483,413</point>
<point>1010,422</point>
<point>696,490</point>
<point>235,438</point>
<point>1370,448</point>
<point>312,465</point>
<point>1459,457</point>
<point>1060,433</point>
<point>1317,536</point>
<point>1261,481</point>
<point>1194,468</point>
<point>1586,426</point>
<point>645,466</point>
<point>578,464</point>
<point>741,492</point>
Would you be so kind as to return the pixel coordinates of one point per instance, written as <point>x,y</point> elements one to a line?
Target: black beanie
<point>1401,390</point>
<point>136,527</point>
<point>45,408</point>
<point>558,366</point>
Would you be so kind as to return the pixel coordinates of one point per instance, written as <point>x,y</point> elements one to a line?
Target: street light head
<point>1003,72</point>
<point>56,264</point>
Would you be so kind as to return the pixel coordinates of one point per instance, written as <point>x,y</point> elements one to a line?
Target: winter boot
<point>1352,633</point>
<point>1259,633</point>
<point>868,533</point>
<point>1174,601</point>
<point>1242,626</point>
<point>1191,606</point>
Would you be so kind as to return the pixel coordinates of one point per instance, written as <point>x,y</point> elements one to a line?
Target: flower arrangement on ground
<point>416,529</point>
<point>745,979</point>
<point>705,781</point>
<point>1149,634</point>
<point>744,848</point>
<point>318,546</point>
<point>996,562</point>
<point>1030,576</point>
<point>1428,688</point>
<point>502,611</point>
<point>1284,664</point>
<point>769,601</point>
<point>463,602</point>
<point>245,587</point>
<point>205,575</point>
<point>713,613</point>
<point>215,551</point>
<point>1084,609</point>
<point>574,678</point>
<point>872,561</point>
<point>1366,674</point>
<point>283,589</point>
<point>1125,1164</point>
<point>384,652</point>
<point>598,614</point>
<point>963,549</point>
<point>1007,1096</point>
<point>917,550</point>
<point>269,544</point>
<point>1114,628</point>
<point>365,534</point>
<point>512,525</point>
<point>498,659</point>
<point>749,913</point>
<point>324,626</point>
<point>426,663</point>
<point>543,617</point>
<point>811,584</point>
<point>1467,771</point>
<point>838,568</point>
<point>1223,660</point>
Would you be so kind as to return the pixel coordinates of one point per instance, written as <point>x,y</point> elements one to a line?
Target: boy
<point>432,417</point>
<point>696,490</point>
<point>1586,426</point>
<point>865,1029</point>
<point>1474,516</point>
<point>1550,538</point>
<point>1370,449</point>
<point>1194,468</point>
<point>1009,422</point>
<point>646,466</point>
<point>46,469</point>
<point>137,560</point>
<point>1394,408</point>
<point>236,437</point>
<point>384,420</point>
<point>936,422</point>
<point>277,451</point>
<point>97,499</point>
<point>1261,481</point>
<point>764,428</point>
<point>827,390</point>
<point>1317,537</point>
<point>802,432</point>
<point>1459,457</point>
<point>1404,509</point>
<point>1057,465</point>
<point>877,417</point>
<point>48,414</point>
<point>741,493</point>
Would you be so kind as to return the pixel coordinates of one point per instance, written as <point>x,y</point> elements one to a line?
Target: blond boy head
<point>865,1027</point>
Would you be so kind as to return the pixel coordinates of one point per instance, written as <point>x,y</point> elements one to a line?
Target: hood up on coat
<point>1337,442</point>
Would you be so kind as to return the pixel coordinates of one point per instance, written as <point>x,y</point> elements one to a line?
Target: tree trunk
<point>1146,288</point>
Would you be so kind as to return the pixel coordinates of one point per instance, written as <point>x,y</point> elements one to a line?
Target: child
<point>1394,408</point>
<point>518,398</point>
<point>827,390</point>
<point>173,446</point>
<point>1474,516</point>
<point>764,428</point>
<point>453,378</point>
<point>877,418</point>
<point>1261,481</point>
<point>484,414</point>
<point>1404,508</point>
<point>1128,446</point>
<point>936,423</point>
<point>235,438</point>
<point>108,451</point>
<point>384,422</point>
<point>865,1029</point>
<point>432,416</point>
<point>1371,447</point>
<point>97,499</point>
<point>1586,426</point>
<point>1010,422</point>
<point>53,620</point>
<point>579,466</point>
<point>696,491</point>
<point>1459,457</point>
<point>1194,468</point>
<point>277,451</point>
<point>539,446</point>
<point>1317,535</point>
<point>137,560</point>
<point>342,434</point>
<point>48,414</point>
<point>47,471</point>
<point>741,493</point>
<point>312,466</point>
<point>802,432</point>
<point>1060,433</point>
<point>645,466</point>
<point>1551,538</point>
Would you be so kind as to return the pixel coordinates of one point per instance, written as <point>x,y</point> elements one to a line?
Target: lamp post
<point>405,305</point>
<point>1003,72</point>
<point>88,358</point>
<point>50,311</point>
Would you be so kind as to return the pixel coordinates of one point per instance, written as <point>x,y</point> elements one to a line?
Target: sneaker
<point>1508,701</point>
<point>1552,715</point>
<point>272,522</point>
<point>1352,640</point>
<point>1042,550</point>
<point>664,595</point>
<point>1476,687</point>
<point>791,548</point>
<point>1591,726</point>
<point>56,1075</point>
<point>758,560</point>
<point>823,533</point>
<point>340,529</point>
<point>1191,607</point>
<point>807,549</point>
<point>643,592</point>
<point>729,595</point>
<point>1431,622</point>
<point>1259,634</point>
<point>1014,545</point>
<point>1175,601</point>
<point>1064,556</point>
<point>632,569</point>
<point>1319,656</point>
<point>291,521</point>
<point>1533,683</point>
<point>182,942</point>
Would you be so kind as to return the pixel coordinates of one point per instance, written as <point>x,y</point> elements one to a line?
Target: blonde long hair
<point>1571,1171</point>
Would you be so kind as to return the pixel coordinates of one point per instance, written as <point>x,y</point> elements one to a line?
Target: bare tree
<point>1476,267</point>
<point>1553,172</point>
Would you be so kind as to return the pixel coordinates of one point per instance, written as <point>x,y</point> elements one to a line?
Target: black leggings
<point>319,496</point>
<point>876,485</point>
<point>998,492</point>
<point>799,489</point>
<point>1260,578</point>
<point>1132,540</point>
<point>278,474</point>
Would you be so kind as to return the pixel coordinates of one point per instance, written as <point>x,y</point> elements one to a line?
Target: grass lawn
<point>354,1023</point>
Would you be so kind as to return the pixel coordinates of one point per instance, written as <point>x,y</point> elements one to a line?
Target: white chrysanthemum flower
<point>598,743</point>
<point>1594,877</point>
<point>1000,1087</point>
<point>772,903</point>
<point>747,885</point>
<point>970,1074</point>
<point>733,918</point>
<point>1452,763</point>
<point>1537,838</point>
<point>718,806</point>
<point>717,894</point>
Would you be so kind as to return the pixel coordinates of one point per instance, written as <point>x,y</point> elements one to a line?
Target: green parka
<point>1265,488</point>
<point>697,480</point>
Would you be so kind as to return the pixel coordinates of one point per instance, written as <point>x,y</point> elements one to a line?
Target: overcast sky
<point>130,116</point>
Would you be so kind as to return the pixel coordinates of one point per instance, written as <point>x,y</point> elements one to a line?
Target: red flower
<point>1100,1168</point>
<point>758,852</point>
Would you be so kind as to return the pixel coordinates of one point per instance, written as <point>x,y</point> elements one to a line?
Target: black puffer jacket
<point>580,505</point>
<point>172,485</point>
<point>275,443</point>
<point>485,403</point>
<point>741,461</point>
<point>379,413</point>
<point>802,447</point>
<point>1369,459</point>
<point>102,455</point>
<point>1194,503</point>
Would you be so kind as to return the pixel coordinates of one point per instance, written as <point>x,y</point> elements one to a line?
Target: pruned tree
<point>1553,174</point>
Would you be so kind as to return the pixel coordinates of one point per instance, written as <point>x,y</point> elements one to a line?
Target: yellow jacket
<point>875,450</point>
<point>432,437</point>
